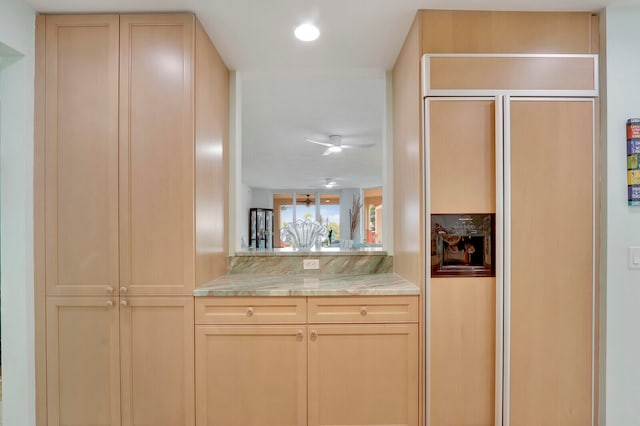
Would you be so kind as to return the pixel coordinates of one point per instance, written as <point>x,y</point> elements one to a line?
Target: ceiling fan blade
<point>367,145</point>
<point>327,152</point>
<point>318,142</point>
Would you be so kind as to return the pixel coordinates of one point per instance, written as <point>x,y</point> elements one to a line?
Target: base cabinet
<point>363,374</point>
<point>156,361</point>
<point>113,361</point>
<point>359,370</point>
<point>251,375</point>
<point>83,358</point>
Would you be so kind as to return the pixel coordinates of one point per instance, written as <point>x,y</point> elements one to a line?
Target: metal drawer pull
<point>123,290</point>
<point>109,290</point>
<point>249,311</point>
<point>314,334</point>
<point>108,303</point>
<point>123,303</point>
<point>363,311</point>
<point>299,335</point>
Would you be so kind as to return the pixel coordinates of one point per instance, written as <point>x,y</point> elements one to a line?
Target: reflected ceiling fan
<point>335,145</point>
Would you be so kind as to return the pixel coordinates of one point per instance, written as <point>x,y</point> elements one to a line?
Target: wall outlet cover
<point>311,264</point>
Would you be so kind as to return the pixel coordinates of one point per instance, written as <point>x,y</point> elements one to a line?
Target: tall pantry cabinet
<point>131,162</point>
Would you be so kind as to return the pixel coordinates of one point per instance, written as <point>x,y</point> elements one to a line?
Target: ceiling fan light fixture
<point>330,183</point>
<point>335,149</point>
<point>307,32</point>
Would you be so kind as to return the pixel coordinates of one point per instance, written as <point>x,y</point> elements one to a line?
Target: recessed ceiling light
<point>307,32</point>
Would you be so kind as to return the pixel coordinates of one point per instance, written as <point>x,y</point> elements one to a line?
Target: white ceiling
<point>292,89</point>
<point>278,114</point>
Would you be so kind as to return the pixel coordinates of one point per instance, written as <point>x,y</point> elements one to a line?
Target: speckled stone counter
<point>388,284</point>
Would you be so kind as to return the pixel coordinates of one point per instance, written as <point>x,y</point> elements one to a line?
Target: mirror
<point>310,146</point>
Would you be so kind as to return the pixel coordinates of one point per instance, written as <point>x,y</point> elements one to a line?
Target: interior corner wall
<point>237,228</point>
<point>621,101</point>
<point>245,198</point>
<point>17,30</point>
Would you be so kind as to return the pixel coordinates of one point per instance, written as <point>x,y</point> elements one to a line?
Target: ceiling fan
<point>335,145</point>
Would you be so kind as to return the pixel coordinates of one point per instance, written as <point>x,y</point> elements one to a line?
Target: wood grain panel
<point>157,153</point>
<point>157,361</point>
<point>250,310</point>
<point>512,73</point>
<point>407,160</point>
<point>462,348</point>
<point>595,34</point>
<point>251,375</point>
<point>212,159</point>
<point>446,31</point>
<point>370,309</point>
<point>462,156</point>
<point>39,267</point>
<point>551,262</point>
<point>363,375</point>
<point>81,150</point>
<point>83,357</point>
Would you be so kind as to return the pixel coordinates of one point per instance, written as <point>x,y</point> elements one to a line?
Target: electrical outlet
<point>310,263</point>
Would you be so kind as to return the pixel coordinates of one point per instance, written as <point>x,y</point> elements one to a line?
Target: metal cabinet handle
<point>299,335</point>
<point>363,311</point>
<point>249,311</point>
<point>314,334</point>
<point>108,303</point>
<point>123,303</point>
<point>123,290</point>
<point>109,290</point>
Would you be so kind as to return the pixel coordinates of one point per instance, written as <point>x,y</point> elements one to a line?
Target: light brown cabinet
<point>128,175</point>
<point>363,374</point>
<point>83,355</point>
<point>550,297</point>
<point>306,361</point>
<point>251,375</point>
<point>81,155</point>
<point>127,182</point>
<point>120,361</point>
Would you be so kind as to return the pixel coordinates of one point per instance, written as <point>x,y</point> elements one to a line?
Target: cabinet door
<point>251,375</point>
<point>83,380</point>
<point>157,361</point>
<point>156,154</point>
<point>363,375</point>
<point>81,154</point>
<point>462,310</point>
<point>551,257</point>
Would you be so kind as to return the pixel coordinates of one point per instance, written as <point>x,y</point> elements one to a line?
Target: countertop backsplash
<point>353,264</point>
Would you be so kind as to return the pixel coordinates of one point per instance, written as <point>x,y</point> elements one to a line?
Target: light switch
<point>634,257</point>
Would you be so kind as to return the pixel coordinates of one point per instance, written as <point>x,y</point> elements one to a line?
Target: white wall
<point>16,216</point>
<point>242,216</point>
<point>621,99</point>
<point>262,198</point>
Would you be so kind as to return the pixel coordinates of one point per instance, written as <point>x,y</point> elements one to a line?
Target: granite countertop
<point>325,251</point>
<point>388,284</point>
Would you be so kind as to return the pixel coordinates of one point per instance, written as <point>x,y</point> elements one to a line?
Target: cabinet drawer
<point>250,310</point>
<point>371,309</point>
